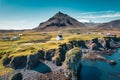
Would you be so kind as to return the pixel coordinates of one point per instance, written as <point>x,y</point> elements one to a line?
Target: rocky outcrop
<point>32,61</point>
<point>111,42</point>
<point>60,53</point>
<point>98,45</point>
<point>79,43</point>
<point>106,43</point>
<point>6,61</point>
<point>18,62</point>
<point>72,63</point>
<point>49,54</point>
<point>94,56</point>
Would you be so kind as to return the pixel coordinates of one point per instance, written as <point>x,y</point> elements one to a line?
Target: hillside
<point>111,24</point>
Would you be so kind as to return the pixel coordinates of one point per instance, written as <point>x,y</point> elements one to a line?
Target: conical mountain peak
<point>59,21</point>
<point>59,14</point>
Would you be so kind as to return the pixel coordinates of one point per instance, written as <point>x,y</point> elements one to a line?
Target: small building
<point>108,34</point>
<point>59,37</point>
<point>6,38</point>
<point>15,38</point>
<point>20,34</point>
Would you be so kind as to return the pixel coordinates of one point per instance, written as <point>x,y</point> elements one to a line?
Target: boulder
<point>112,62</point>
<point>6,61</point>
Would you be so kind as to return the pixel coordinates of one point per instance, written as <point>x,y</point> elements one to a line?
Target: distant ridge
<point>59,21</point>
<point>111,24</point>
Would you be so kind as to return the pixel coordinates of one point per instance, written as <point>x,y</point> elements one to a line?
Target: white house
<point>108,34</point>
<point>59,37</point>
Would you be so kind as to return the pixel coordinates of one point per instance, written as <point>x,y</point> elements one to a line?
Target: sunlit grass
<point>32,41</point>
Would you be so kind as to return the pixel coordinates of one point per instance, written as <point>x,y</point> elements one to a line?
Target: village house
<point>59,37</point>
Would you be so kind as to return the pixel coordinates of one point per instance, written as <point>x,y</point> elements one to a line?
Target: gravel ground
<point>57,73</point>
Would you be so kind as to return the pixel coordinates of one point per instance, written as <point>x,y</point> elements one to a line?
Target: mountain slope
<point>59,21</point>
<point>112,24</point>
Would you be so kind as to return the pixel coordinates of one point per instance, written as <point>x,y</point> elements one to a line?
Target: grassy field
<point>30,42</point>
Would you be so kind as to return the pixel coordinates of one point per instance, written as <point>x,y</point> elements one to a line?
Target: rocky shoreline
<point>56,60</point>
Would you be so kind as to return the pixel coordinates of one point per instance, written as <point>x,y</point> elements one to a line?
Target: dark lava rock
<point>41,54</point>
<point>82,44</point>
<point>32,61</point>
<point>57,61</point>
<point>17,76</point>
<point>61,53</point>
<point>107,44</point>
<point>6,61</point>
<point>49,54</point>
<point>69,46</point>
<point>112,62</point>
<point>96,45</point>
<point>18,62</point>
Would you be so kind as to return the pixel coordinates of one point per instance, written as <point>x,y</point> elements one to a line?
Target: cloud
<point>83,20</point>
<point>101,14</point>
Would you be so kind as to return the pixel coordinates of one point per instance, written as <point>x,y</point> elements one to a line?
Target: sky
<point>28,14</point>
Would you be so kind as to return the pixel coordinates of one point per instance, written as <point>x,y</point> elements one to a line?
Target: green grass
<point>73,52</point>
<point>31,42</point>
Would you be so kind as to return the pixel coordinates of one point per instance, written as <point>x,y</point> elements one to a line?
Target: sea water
<point>99,70</point>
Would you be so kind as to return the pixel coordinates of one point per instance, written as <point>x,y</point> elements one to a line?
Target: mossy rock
<point>73,63</point>
<point>73,52</point>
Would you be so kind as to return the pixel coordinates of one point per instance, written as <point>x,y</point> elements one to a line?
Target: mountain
<point>59,21</point>
<point>91,23</point>
<point>112,24</point>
